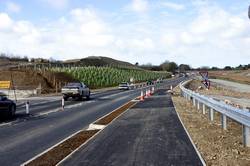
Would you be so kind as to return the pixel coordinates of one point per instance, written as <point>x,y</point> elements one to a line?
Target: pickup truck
<point>75,90</point>
<point>7,106</point>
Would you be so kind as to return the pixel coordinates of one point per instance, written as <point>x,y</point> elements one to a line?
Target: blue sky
<point>195,32</point>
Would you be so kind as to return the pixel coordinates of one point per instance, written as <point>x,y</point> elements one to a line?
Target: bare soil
<point>241,76</point>
<point>107,119</point>
<point>215,90</point>
<point>217,147</point>
<point>58,153</point>
<point>30,79</point>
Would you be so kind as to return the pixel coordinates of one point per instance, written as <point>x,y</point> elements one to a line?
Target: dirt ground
<point>215,89</point>
<point>30,79</point>
<point>217,147</point>
<point>241,76</point>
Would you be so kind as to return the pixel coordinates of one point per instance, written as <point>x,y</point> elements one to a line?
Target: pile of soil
<point>30,79</point>
<point>217,147</point>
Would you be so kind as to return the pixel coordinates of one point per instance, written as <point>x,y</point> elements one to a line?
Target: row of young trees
<point>97,77</point>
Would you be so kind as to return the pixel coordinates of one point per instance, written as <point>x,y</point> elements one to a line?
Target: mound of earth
<point>29,79</point>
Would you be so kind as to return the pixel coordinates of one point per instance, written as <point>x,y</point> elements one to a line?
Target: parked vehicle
<point>75,90</point>
<point>124,86</point>
<point>150,82</point>
<point>7,106</point>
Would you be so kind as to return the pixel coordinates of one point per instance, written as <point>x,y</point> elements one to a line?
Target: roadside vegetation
<point>97,77</point>
<point>95,71</point>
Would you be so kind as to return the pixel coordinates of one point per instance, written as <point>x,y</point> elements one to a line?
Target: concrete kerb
<point>101,128</point>
<point>72,135</point>
<point>40,154</point>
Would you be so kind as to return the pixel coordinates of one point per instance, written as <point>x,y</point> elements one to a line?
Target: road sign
<point>205,81</point>
<point>4,84</point>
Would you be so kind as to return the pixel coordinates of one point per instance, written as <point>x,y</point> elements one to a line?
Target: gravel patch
<point>217,147</point>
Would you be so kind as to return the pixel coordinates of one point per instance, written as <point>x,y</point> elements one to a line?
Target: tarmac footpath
<point>148,134</point>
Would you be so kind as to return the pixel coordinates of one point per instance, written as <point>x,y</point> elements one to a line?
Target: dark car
<point>7,106</point>
<point>150,82</point>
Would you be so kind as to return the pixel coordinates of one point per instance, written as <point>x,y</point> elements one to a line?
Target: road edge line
<point>68,156</point>
<point>45,151</point>
<point>198,153</point>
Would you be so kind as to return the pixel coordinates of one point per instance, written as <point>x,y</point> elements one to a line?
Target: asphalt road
<point>233,85</point>
<point>149,134</point>
<point>26,136</point>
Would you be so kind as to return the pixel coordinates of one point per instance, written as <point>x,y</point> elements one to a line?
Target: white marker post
<point>27,107</point>
<point>62,103</point>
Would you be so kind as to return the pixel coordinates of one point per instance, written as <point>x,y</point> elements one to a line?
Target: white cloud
<point>173,6</point>
<point>5,21</point>
<point>140,6</point>
<point>57,4</point>
<point>211,36</point>
<point>13,7</point>
<point>79,34</point>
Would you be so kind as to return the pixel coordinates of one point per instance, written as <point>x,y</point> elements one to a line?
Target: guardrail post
<point>198,105</point>
<point>193,101</point>
<point>204,109</point>
<point>224,121</point>
<point>246,136</point>
<point>211,114</point>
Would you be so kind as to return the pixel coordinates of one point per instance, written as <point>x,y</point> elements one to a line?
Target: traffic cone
<point>142,96</point>
<point>149,92</point>
<point>146,96</point>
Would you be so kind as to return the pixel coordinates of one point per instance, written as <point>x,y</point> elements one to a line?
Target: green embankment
<point>98,77</point>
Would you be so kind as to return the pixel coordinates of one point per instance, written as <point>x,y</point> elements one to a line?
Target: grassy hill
<point>99,61</point>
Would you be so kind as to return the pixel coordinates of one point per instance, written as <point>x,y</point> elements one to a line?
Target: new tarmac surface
<point>26,136</point>
<point>149,134</point>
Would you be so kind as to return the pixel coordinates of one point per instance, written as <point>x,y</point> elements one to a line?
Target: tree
<point>169,66</point>
<point>184,67</point>
<point>215,68</point>
<point>227,68</point>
